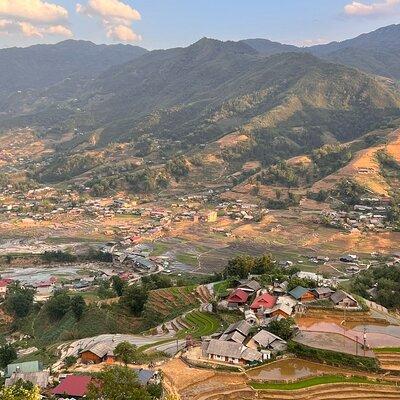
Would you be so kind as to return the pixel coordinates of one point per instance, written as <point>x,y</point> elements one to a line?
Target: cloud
<point>33,19</point>
<point>312,42</point>
<point>59,30</point>
<point>374,9</point>
<point>117,18</point>
<point>33,11</point>
<point>123,33</point>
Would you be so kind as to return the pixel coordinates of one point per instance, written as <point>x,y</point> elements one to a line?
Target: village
<point>272,324</point>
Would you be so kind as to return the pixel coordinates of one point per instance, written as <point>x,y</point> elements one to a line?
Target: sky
<point>156,24</point>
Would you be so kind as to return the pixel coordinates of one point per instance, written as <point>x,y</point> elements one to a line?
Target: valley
<point>215,221</point>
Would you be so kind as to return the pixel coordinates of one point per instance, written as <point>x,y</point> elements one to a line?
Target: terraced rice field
<point>171,302</point>
<point>200,324</point>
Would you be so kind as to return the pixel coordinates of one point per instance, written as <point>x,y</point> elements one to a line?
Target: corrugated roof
<point>298,292</point>
<point>223,348</point>
<point>73,385</point>
<point>265,300</point>
<point>25,367</point>
<point>265,338</point>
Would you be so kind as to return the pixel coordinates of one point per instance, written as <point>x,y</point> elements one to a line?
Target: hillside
<point>186,99</point>
<point>377,52</point>
<point>27,73</point>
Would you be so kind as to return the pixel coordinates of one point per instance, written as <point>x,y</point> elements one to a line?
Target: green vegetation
<point>349,192</point>
<point>114,383</point>
<point>188,259</point>
<point>201,324</point>
<point>19,392</point>
<point>7,355</point>
<point>283,328</point>
<point>387,350</point>
<point>19,300</point>
<point>243,265</point>
<point>318,380</point>
<point>330,158</point>
<point>385,280</point>
<point>126,352</point>
<point>333,358</point>
<point>282,174</point>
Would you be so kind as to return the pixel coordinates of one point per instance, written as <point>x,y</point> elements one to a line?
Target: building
<point>73,386</point>
<point>322,293</point>
<point>237,298</point>
<point>231,352</point>
<point>343,300</point>
<point>249,286</point>
<point>263,302</point>
<point>31,371</point>
<point>268,341</point>
<point>302,294</point>
<point>281,310</point>
<point>236,332</point>
<point>3,286</point>
<point>98,353</point>
<point>280,288</point>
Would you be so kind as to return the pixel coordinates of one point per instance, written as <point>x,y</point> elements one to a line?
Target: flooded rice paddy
<point>290,369</point>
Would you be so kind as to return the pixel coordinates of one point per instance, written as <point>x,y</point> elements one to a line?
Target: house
<point>343,299</point>
<point>249,286</point>
<point>280,288</point>
<point>29,372</point>
<point>284,310</point>
<point>310,276</point>
<point>348,258</point>
<point>98,353</point>
<point>251,317</point>
<point>236,332</point>
<point>322,293</point>
<point>269,341</point>
<point>73,386</point>
<point>233,353</point>
<point>25,367</point>
<point>263,302</point>
<point>302,294</point>
<point>237,298</point>
<point>3,286</point>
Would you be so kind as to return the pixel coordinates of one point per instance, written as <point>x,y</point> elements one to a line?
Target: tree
<point>118,285</point>
<point>126,352</point>
<point>135,298</point>
<point>17,392</point>
<point>58,305</point>
<point>69,361</point>
<point>7,355</point>
<point>78,306</point>
<point>19,300</point>
<point>283,328</point>
<point>117,383</point>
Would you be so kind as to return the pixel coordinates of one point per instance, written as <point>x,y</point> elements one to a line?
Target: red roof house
<point>73,385</point>
<point>265,301</point>
<point>238,296</point>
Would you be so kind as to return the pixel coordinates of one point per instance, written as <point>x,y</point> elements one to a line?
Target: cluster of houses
<point>63,386</point>
<point>240,211</point>
<point>261,306</point>
<point>238,345</point>
<point>371,214</point>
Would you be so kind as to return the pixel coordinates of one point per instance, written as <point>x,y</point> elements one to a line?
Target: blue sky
<point>170,23</point>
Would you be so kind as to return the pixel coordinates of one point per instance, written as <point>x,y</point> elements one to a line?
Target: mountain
<point>377,52</point>
<point>269,48</point>
<point>45,65</point>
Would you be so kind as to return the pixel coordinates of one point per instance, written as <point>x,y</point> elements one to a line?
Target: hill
<point>27,73</point>
<point>377,52</point>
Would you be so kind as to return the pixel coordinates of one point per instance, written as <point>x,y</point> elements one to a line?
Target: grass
<point>221,288</point>
<point>318,380</point>
<point>188,259</point>
<point>387,350</point>
<point>159,249</point>
<point>201,324</point>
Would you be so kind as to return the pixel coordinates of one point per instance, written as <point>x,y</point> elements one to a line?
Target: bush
<point>333,358</point>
